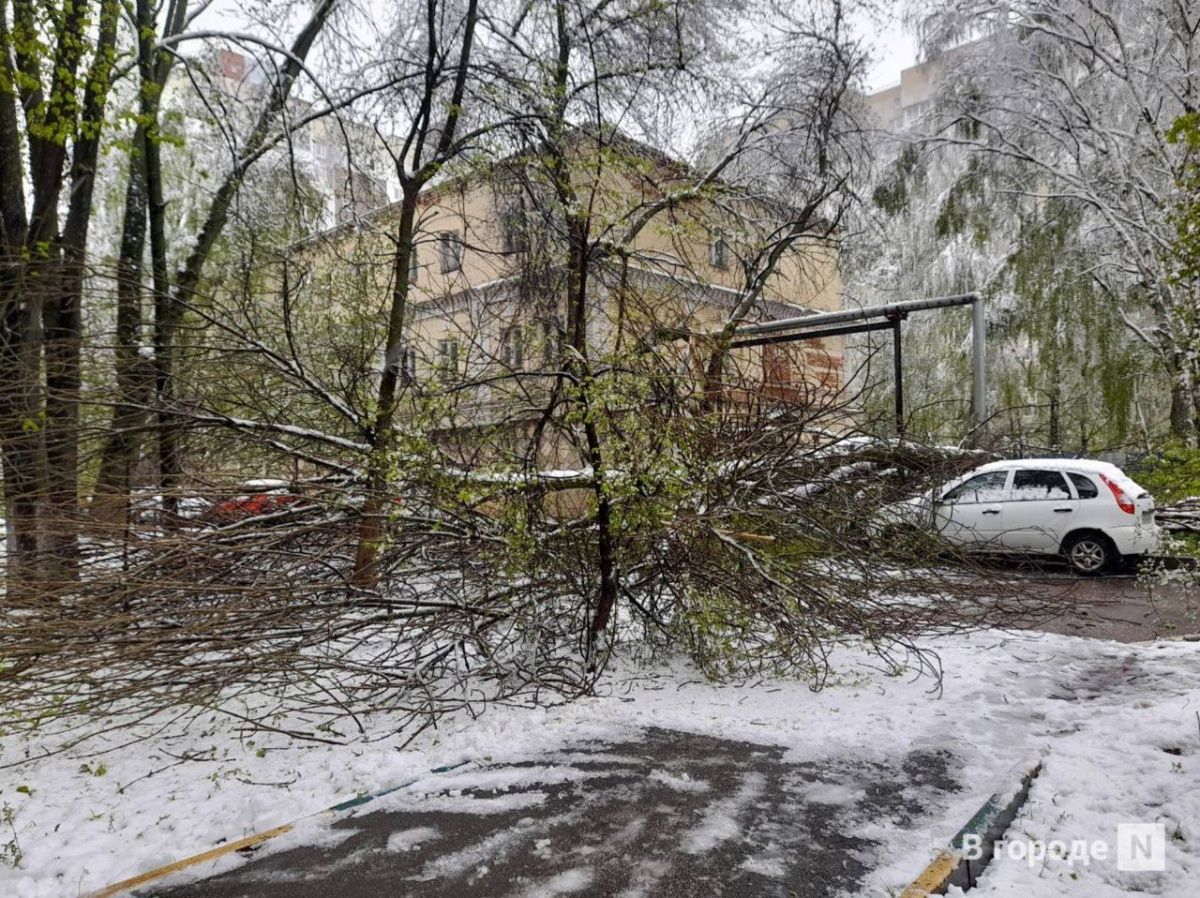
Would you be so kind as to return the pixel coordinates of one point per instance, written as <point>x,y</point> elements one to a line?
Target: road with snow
<point>663,783</point>
<point>668,814</point>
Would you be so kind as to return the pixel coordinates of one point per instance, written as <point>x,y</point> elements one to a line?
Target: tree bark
<point>381,437</point>
<point>20,486</point>
<point>110,498</point>
<point>63,318</point>
<point>31,275</point>
<point>1183,428</point>
<point>20,438</point>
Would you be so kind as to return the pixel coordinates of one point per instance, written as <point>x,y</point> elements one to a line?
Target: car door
<point>1040,510</point>
<point>972,513</point>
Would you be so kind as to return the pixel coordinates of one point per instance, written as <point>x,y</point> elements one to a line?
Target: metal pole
<point>979,366</point>
<point>821,334</point>
<point>898,365</point>
<point>824,318</point>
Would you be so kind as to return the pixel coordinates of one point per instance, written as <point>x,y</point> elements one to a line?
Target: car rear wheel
<point>1090,553</point>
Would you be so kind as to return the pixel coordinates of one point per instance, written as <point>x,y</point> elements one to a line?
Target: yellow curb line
<point>990,823</point>
<point>250,841</point>
<point>212,854</point>
<point>933,878</point>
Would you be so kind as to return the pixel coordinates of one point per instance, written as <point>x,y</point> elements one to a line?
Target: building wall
<point>482,304</point>
<point>900,107</point>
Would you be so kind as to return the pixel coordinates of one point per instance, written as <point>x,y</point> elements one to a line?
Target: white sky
<point>892,49</point>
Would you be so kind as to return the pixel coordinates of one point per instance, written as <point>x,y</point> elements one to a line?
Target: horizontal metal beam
<point>820,319</point>
<point>812,335</point>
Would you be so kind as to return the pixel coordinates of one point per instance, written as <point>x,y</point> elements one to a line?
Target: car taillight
<point>1123,501</point>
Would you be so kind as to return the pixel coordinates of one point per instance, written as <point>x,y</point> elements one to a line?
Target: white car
<point>1090,512</point>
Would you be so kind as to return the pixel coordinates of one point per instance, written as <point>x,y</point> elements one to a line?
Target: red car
<point>239,508</point>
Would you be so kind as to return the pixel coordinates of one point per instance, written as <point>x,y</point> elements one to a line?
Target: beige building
<point>486,308</point>
<point>903,106</point>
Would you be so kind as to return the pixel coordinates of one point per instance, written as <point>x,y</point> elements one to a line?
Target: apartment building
<point>343,161</point>
<point>903,106</point>
<point>487,313</point>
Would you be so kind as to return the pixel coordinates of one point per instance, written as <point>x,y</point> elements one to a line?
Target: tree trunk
<point>31,274</point>
<point>381,437</point>
<point>577,330</point>
<point>21,516</point>
<point>164,310</point>
<point>63,318</point>
<point>168,316</point>
<point>1182,426</point>
<point>1194,371</point>
<point>21,441</point>
<point>1055,413</point>
<point>62,329</point>
<point>110,499</point>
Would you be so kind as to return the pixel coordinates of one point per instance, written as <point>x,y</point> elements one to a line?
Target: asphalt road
<point>1122,608</point>
<point>665,815</point>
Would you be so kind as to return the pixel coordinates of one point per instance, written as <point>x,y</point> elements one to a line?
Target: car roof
<point>1055,464</point>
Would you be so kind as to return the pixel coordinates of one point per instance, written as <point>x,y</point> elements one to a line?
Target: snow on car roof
<point>1065,464</point>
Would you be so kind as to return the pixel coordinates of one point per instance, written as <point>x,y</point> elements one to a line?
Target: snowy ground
<point>1118,725</point>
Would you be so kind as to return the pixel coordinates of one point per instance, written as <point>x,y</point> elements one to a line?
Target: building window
<point>414,264</point>
<point>447,365</point>
<point>552,334</point>
<point>512,347</point>
<point>408,366</point>
<point>514,231</point>
<point>718,251</point>
<point>450,251</point>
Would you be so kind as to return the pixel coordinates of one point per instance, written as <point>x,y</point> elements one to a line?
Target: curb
<point>252,841</point>
<point>1180,637</point>
<point>949,867</point>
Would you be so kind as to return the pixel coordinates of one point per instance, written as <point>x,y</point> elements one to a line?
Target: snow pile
<point>408,839</point>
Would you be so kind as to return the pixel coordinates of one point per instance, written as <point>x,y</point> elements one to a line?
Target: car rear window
<point>1033,484</point>
<point>1084,485</point>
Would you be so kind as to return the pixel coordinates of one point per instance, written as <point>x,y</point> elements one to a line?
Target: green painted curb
<point>950,867</point>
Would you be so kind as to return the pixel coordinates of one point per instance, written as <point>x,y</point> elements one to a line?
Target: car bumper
<point>1136,539</point>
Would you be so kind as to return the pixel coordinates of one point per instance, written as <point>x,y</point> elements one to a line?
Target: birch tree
<point>1076,100</point>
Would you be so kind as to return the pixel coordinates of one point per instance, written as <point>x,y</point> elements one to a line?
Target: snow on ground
<point>1119,727</point>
